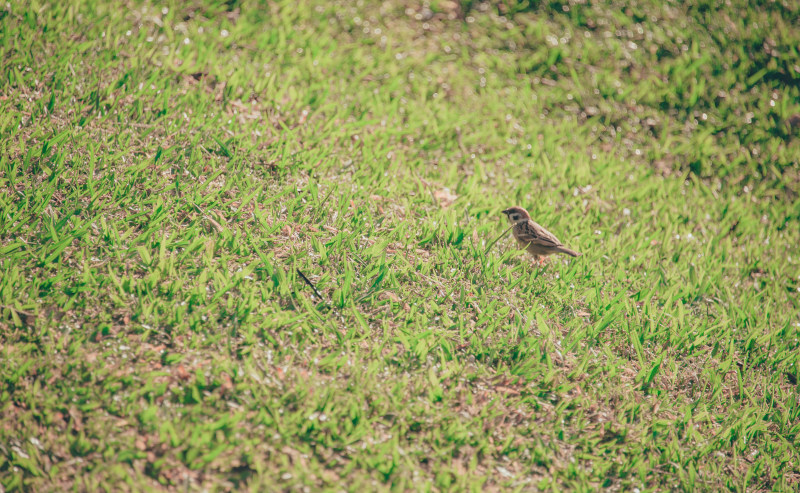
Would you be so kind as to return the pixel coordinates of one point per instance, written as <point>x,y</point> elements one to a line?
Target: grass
<point>245,246</point>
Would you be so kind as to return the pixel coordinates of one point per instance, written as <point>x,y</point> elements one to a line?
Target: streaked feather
<point>529,232</point>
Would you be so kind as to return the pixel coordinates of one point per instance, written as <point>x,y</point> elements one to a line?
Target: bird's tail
<point>568,251</point>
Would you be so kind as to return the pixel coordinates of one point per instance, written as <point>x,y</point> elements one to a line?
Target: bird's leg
<point>542,261</point>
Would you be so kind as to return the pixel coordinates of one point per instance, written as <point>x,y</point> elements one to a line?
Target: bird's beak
<point>506,211</point>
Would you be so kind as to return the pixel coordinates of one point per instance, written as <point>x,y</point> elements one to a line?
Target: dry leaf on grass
<point>227,383</point>
<point>388,295</point>
<point>445,197</point>
<point>181,373</point>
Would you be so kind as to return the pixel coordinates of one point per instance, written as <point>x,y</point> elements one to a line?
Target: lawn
<point>250,245</point>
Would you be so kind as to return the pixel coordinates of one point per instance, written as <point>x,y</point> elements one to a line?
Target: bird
<point>534,238</point>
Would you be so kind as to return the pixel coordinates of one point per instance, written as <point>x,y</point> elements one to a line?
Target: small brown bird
<point>535,239</point>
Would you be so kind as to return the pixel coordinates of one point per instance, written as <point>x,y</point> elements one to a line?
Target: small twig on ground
<point>426,186</point>
<point>214,223</point>
<point>320,207</point>
<point>496,240</point>
<point>26,313</point>
<point>310,284</point>
<point>460,141</point>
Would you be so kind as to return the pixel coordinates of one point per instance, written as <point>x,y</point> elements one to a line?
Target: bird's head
<point>516,214</point>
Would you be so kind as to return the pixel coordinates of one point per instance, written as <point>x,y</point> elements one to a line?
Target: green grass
<point>168,171</point>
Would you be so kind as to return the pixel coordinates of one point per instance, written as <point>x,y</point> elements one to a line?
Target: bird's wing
<point>530,232</point>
